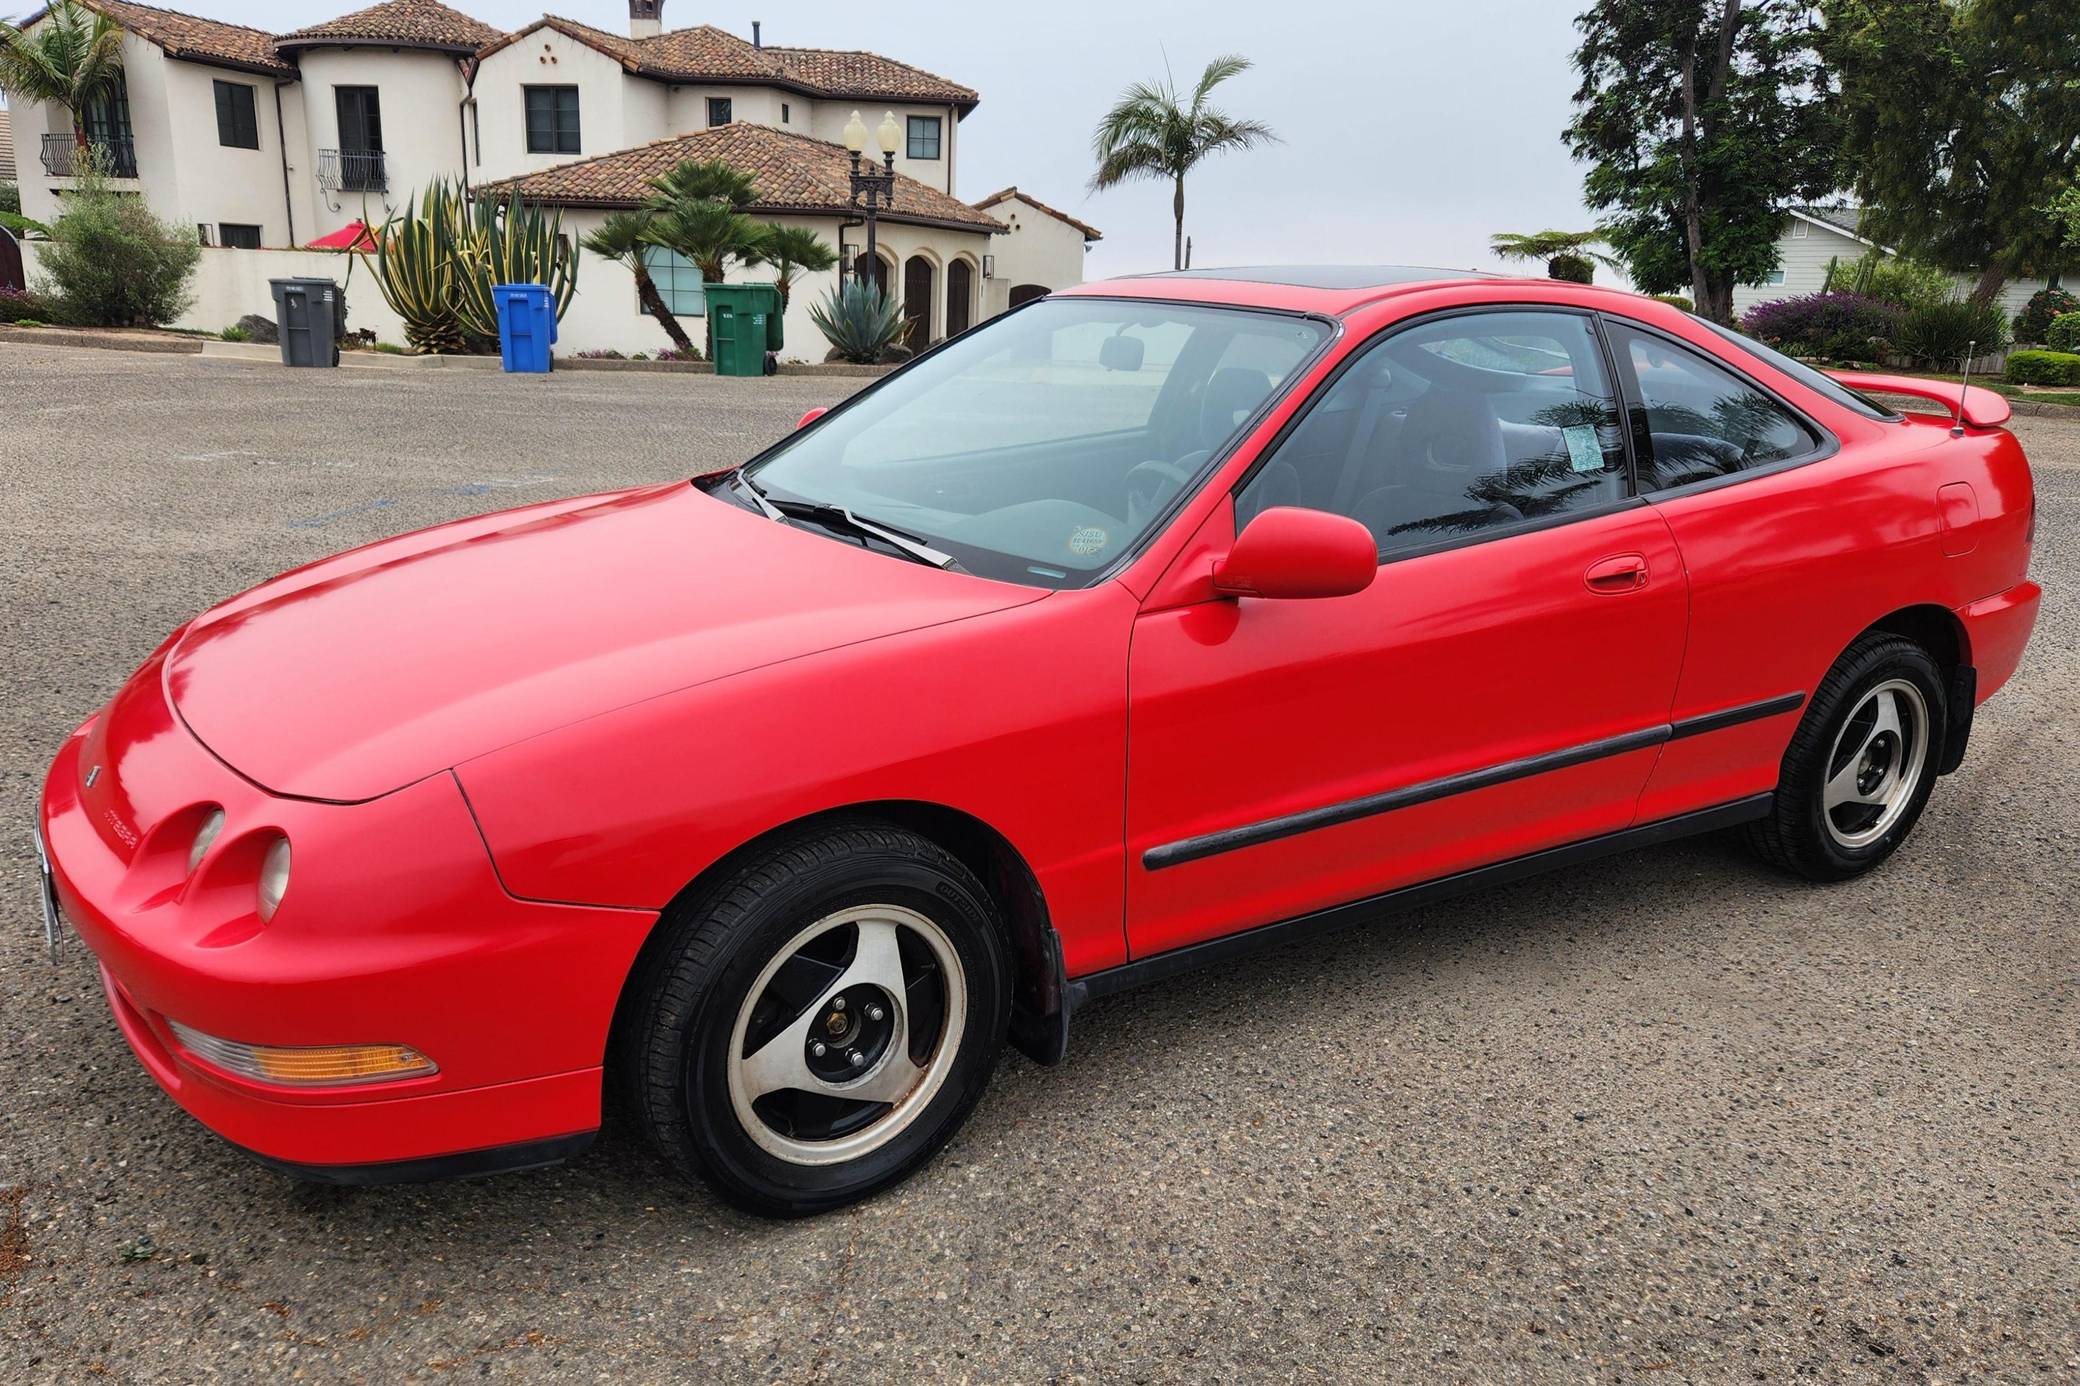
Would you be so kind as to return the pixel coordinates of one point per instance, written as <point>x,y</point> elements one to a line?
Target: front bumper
<point>395,929</point>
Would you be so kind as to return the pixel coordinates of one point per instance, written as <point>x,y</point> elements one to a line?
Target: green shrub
<point>1939,334</point>
<point>2033,323</point>
<point>111,263</point>
<point>390,349</point>
<point>11,198</point>
<point>2064,334</point>
<point>235,333</point>
<point>29,322</point>
<point>2044,368</point>
<point>1890,279</point>
<point>1675,301</point>
<point>19,304</point>
<point>859,321</point>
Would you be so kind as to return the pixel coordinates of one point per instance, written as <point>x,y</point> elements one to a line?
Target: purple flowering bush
<point>1839,327</point>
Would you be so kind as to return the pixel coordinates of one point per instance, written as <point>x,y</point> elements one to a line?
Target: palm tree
<point>621,237</point>
<point>1567,253</point>
<point>704,180</point>
<point>695,210</point>
<point>1155,133</point>
<point>74,58</point>
<point>790,250</point>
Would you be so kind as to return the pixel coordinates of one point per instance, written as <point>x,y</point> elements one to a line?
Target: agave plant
<point>859,320</point>
<point>438,259</point>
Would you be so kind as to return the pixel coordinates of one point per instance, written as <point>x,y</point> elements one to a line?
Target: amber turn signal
<point>323,1066</point>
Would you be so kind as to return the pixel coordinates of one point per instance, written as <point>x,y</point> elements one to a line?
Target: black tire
<point>673,1054</point>
<point>1796,835</point>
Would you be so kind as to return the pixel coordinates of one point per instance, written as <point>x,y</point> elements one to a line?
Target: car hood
<point>359,674</point>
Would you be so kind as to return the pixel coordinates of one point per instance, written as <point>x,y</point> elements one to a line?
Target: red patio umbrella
<point>355,235</point>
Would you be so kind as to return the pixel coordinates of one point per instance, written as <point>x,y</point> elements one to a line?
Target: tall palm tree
<point>620,237</point>
<point>1156,133</point>
<point>704,180</point>
<point>791,250</point>
<point>74,58</point>
<point>1566,253</point>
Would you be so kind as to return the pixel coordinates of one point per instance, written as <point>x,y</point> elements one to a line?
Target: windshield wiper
<point>838,517</point>
<point>750,488</point>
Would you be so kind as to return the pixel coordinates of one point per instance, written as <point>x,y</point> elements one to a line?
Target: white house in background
<point>271,141</point>
<point>1039,249</point>
<point>1814,237</point>
<point>7,171</point>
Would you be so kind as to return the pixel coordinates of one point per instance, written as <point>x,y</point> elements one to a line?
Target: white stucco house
<point>1813,237</point>
<point>265,142</point>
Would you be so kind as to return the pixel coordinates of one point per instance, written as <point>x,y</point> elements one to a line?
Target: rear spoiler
<point>1982,408</point>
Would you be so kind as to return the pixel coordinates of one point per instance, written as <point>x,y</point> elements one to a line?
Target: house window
<point>678,282</point>
<point>238,236</point>
<point>552,120</point>
<point>238,127</point>
<point>1775,276</point>
<point>1799,230</point>
<point>718,110</point>
<point>783,113</point>
<point>204,234</point>
<point>924,137</point>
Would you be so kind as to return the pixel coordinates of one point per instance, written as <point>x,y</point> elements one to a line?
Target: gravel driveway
<point>1663,1118</point>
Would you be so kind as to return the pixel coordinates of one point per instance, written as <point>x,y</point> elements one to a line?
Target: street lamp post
<point>874,188</point>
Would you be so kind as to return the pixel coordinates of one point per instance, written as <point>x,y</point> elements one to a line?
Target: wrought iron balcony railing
<point>61,155</point>
<point>352,170</point>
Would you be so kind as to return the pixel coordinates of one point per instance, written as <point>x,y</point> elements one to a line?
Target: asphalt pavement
<point>1664,1118</point>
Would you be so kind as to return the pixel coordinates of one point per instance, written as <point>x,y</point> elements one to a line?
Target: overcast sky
<point>1412,128</point>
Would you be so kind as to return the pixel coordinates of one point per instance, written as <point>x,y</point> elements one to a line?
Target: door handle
<point>1626,572</point>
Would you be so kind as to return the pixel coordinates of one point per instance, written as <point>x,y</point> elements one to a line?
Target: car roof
<point>1329,289</point>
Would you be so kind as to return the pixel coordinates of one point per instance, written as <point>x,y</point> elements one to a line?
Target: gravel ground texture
<point>1665,1118</point>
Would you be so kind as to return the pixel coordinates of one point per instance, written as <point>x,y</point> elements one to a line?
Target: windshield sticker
<point>1087,541</point>
<point>1584,453</point>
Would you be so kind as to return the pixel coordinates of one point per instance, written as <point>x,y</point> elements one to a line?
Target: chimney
<point>756,41</point>
<point>645,18</point>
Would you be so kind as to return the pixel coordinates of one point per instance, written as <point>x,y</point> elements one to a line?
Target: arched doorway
<point>960,295</point>
<point>918,275</point>
<point>11,275</point>
<point>1026,293</point>
<point>872,268</point>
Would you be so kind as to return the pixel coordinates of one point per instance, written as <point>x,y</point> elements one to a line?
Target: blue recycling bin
<point>526,327</point>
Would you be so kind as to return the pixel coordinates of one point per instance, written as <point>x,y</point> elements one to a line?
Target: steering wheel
<point>1150,483</point>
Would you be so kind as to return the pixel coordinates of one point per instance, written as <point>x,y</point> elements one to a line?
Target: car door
<point>1782,570</point>
<point>1502,687</point>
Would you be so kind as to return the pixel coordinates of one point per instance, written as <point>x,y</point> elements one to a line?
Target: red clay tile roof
<point>794,174</point>
<point>404,23</point>
<point>193,38</point>
<point>1090,232</point>
<point>869,77</point>
<point>705,53</point>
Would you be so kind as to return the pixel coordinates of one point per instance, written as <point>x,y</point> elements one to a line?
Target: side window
<point>1474,422</point>
<point>1701,420</point>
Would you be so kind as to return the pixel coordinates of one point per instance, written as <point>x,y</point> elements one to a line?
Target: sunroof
<point>1324,276</point>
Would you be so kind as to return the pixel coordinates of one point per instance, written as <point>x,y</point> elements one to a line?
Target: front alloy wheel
<point>842,1040</point>
<point>814,1024</point>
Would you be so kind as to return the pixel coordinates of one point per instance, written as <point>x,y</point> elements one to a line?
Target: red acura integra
<point>1152,622</point>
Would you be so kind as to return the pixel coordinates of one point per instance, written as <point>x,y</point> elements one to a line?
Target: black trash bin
<point>307,311</point>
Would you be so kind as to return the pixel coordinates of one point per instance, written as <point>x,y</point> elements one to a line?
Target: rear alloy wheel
<point>1861,765</point>
<point>819,1022</point>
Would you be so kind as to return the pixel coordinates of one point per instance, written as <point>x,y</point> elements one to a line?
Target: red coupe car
<point>1150,623</point>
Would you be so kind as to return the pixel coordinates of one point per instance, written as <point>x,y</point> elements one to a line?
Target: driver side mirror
<point>1290,552</point>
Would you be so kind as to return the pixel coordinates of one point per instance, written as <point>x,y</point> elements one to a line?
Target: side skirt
<point>1181,960</point>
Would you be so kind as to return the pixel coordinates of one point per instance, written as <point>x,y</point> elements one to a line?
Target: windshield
<point>1041,447</point>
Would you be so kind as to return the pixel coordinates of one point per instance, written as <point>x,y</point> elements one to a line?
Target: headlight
<point>329,1065</point>
<point>274,877</point>
<point>204,836</point>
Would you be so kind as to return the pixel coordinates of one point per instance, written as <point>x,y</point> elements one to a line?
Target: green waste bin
<point>745,322</point>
